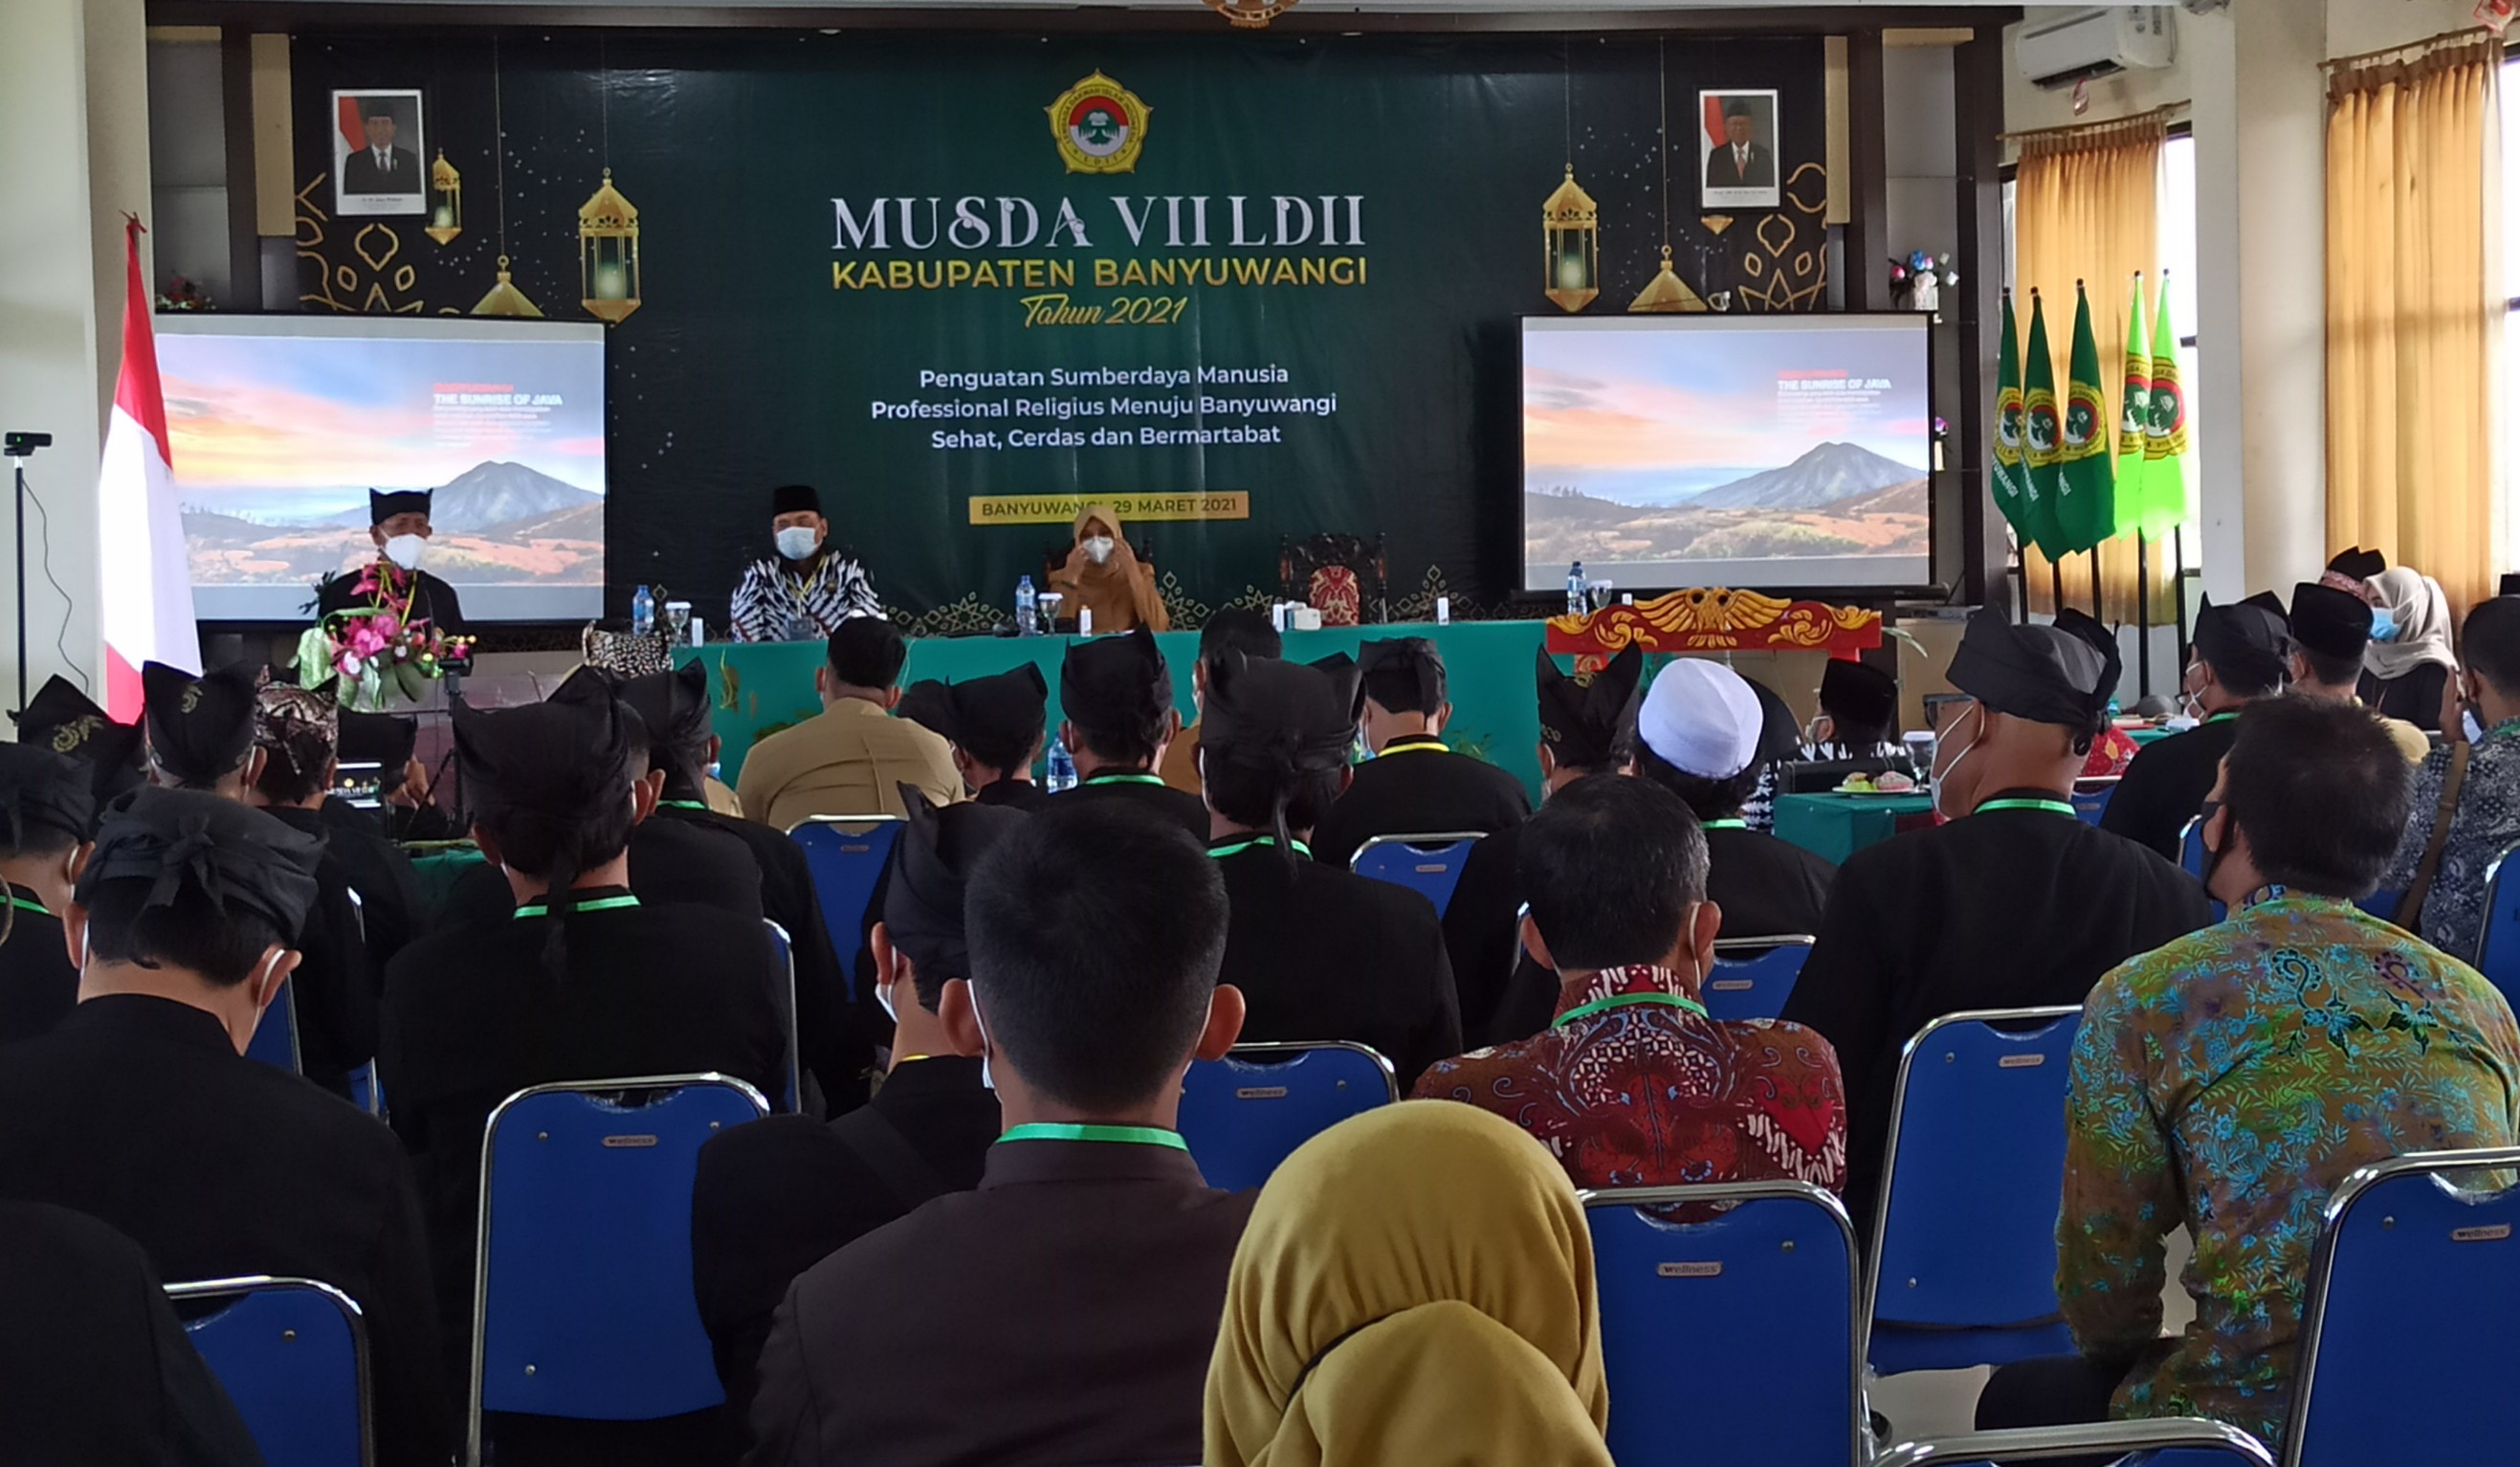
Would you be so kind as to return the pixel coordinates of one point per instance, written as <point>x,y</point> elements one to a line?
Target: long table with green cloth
<point>762,687</point>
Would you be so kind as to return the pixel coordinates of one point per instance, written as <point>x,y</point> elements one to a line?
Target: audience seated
<point>2228,1080</point>
<point>777,1197</point>
<point>1063,1312</point>
<point>995,724</point>
<point>1414,785</point>
<point>94,1365</point>
<point>2476,777</point>
<point>1416,1287</point>
<point>2405,672</point>
<point>1631,1084</point>
<point>1118,698</point>
<point>2240,655</point>
<point>1587,725</point>
<point>1234,629</point>
<point>1859,714</point>
<point>47,812</point>
<point>1318,951</point>
<point>297,731</point>
<point>141,1110</point>
<point>850,760</point>
<point>202,737</point>
<point>62,718</point>
<point>583,982</point>
<point>2016,903</point>
<point>2331,629</point>
<point>1698,736</point>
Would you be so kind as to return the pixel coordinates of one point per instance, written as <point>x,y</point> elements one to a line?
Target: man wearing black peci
<point>1118,697</point>
<point>399,524</point>
<point>47,812</point>
<point>1414,785</point>
<point>995,726</point>
<point>2241,653</point>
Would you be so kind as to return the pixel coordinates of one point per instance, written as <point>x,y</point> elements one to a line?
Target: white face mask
<point>404,550</point>
<point>1943,780</point>
<point>1098,549</point>
<point>988,1082</point>
<point>883,1000</point>
<point>797,542</point>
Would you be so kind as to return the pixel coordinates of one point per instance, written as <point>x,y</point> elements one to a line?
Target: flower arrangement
<point>378,654</point>
<point>185,294</point>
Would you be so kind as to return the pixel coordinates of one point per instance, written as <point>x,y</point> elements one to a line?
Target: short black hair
<point>867,652</point>
<point>1127,734</point>
<point>1707,799</point>
<point>1000,748</point>
<point>1397,687</point>
<point>2321,792</point>
<point>1610,865</point>
<point>191,932</point>
<point>531,839</point>
<point>638,744</point>
<point>1246,793</point>
<point>2328,669</point>
<point>1238,629</point>
<point>37,838</point>
<point>2488,643</point>
<point>294,766</point>
<point>1096,933</point>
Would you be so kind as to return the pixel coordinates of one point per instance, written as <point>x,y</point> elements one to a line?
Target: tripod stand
<point>16,447</point>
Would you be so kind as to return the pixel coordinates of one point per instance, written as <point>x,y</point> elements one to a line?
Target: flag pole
<point>2099,598</point>
<point>2142,619</point>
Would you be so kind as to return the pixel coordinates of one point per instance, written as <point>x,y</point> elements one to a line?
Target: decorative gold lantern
<point>1666,291</point>
<point>446,201</point>
<point>505,300</point>
<point>608,254</point>
<point>1570,245</point>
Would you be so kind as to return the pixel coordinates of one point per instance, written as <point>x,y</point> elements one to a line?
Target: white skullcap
<point>1702,718</point>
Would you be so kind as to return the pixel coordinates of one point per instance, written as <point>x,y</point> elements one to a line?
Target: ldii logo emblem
<point>1100,126</point>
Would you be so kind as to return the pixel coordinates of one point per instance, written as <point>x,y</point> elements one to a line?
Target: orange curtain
<point>2087,204</point>
<point>2413,211</point>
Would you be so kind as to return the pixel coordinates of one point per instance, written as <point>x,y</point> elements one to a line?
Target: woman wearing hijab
<point>1416,1285</point>
<point>2404,672</point>
<point>1104,576</point>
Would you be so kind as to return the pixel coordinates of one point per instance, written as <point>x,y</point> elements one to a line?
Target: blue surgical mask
<point>2384,624</point>
<point>797,542</point>
<point>2470,726</point>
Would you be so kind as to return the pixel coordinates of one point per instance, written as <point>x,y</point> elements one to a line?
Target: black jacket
<point>2414,696</point>
<point>94,1365</point>
<point>393,903</point>
<point>1148,792</point>
<point>2167,782</point>
<point>1766,888</point>
<point>1418,787</point>
<point>777,1197</point>
<point>1723,173</point>
<point>38,987</point>
<point>140,1112</point>
<point>671,862</point>
<point>1021,793</point>
<point>1323,953</point>
<point>361,173</point>
<point>335,988</point>
<point>436,600</point>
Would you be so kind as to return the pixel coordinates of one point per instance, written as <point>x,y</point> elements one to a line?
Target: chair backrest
<point>2497,936</point>
<point>275,1039</point>
<point>2191,848</point>
<point>783,973</point>
<point>582,1279</point>
<point>292,1355</point>
<point>2091,796</point>
<point>2160,1441</point>
<point>1428,864</point>
<point>846,854</point>
<point>1757,985</point>
<point>2412,1280</point>
<point>1966,1233</point>
<point>1244,1114</point>
<point>1774,1278</point>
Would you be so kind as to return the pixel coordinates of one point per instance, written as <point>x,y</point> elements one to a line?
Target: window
<point>2177,227</point>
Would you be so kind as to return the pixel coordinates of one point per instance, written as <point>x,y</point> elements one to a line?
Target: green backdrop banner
<point>1241,287</point>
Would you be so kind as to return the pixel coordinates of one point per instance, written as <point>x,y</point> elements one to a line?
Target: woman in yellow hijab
<point>1416,1287</point>
<point>1104,576</point>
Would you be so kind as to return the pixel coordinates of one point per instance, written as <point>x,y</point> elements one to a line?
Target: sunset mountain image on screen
<point>1772,452</point>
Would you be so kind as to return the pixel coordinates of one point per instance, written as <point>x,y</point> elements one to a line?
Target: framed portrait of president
<point>1736,151</point>
<point>380,154</point>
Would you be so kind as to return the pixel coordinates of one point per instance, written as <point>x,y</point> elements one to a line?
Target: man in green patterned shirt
<point>2231,1079</point>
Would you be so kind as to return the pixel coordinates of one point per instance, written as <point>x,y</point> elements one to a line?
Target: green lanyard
<point>1622,1000</point>
<point>2051,806</point>
<point>1724,825</point>
<point>1413,743</point>
<point>600,905</point>
<point>23,905</point>
<point>1124,779</point>
<point>2224,716</point>
<point>1239,846</point>
<point>682,805</point>
<point>1127,1135</point>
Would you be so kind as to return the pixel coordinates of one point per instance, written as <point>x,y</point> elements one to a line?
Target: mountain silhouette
<point>1828,473</point>
<point>491,493</point>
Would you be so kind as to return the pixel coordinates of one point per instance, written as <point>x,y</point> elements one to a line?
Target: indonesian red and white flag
<point>148,604</point>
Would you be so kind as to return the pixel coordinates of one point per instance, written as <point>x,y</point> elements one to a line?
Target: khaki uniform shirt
<point>845,761</point>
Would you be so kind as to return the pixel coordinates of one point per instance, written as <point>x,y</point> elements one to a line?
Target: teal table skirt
<point>1836,826</point>
<point>762,687</point>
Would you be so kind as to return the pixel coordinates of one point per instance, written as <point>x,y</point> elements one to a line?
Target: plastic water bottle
<point>1062,767</point>
<point>1576,602</point>
<point>1027,607</point>
<point>643,612</point>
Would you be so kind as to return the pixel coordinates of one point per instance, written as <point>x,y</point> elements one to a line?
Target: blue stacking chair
<point>2382,904</point>
<point>1775,1279</point>
<point>2412,1280</point>
<point>292,1355</point>
<point>2191,859</point>
<point>1757,987</point>
<point>2163,1442</point>
<point>2498,939</point>
<point>2091,796</point>
<point>1244,1114</point>
<point>1429,865</point>
<point>1963,1266</point>
<point>846,854</point>
<point>582,1300</point>
<point>783,973</point>
<point>275,1039</point>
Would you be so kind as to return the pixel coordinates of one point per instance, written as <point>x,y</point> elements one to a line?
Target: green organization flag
<point>2165,436</point>
<point>2011,479</point>
<point>2135,409</point>
<point>2043,437</point>
<point>2087,495</point>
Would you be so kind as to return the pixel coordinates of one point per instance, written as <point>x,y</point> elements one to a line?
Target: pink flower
<point>385,622</point>
<point>366,640</point>
<point>347,663</point>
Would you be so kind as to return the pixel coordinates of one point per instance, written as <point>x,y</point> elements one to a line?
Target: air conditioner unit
<point>2059,46</point>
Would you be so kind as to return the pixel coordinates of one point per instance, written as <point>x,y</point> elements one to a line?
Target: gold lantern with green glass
<point>608,254</point>
<point>1570,248</point>
<point>445,201</point>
